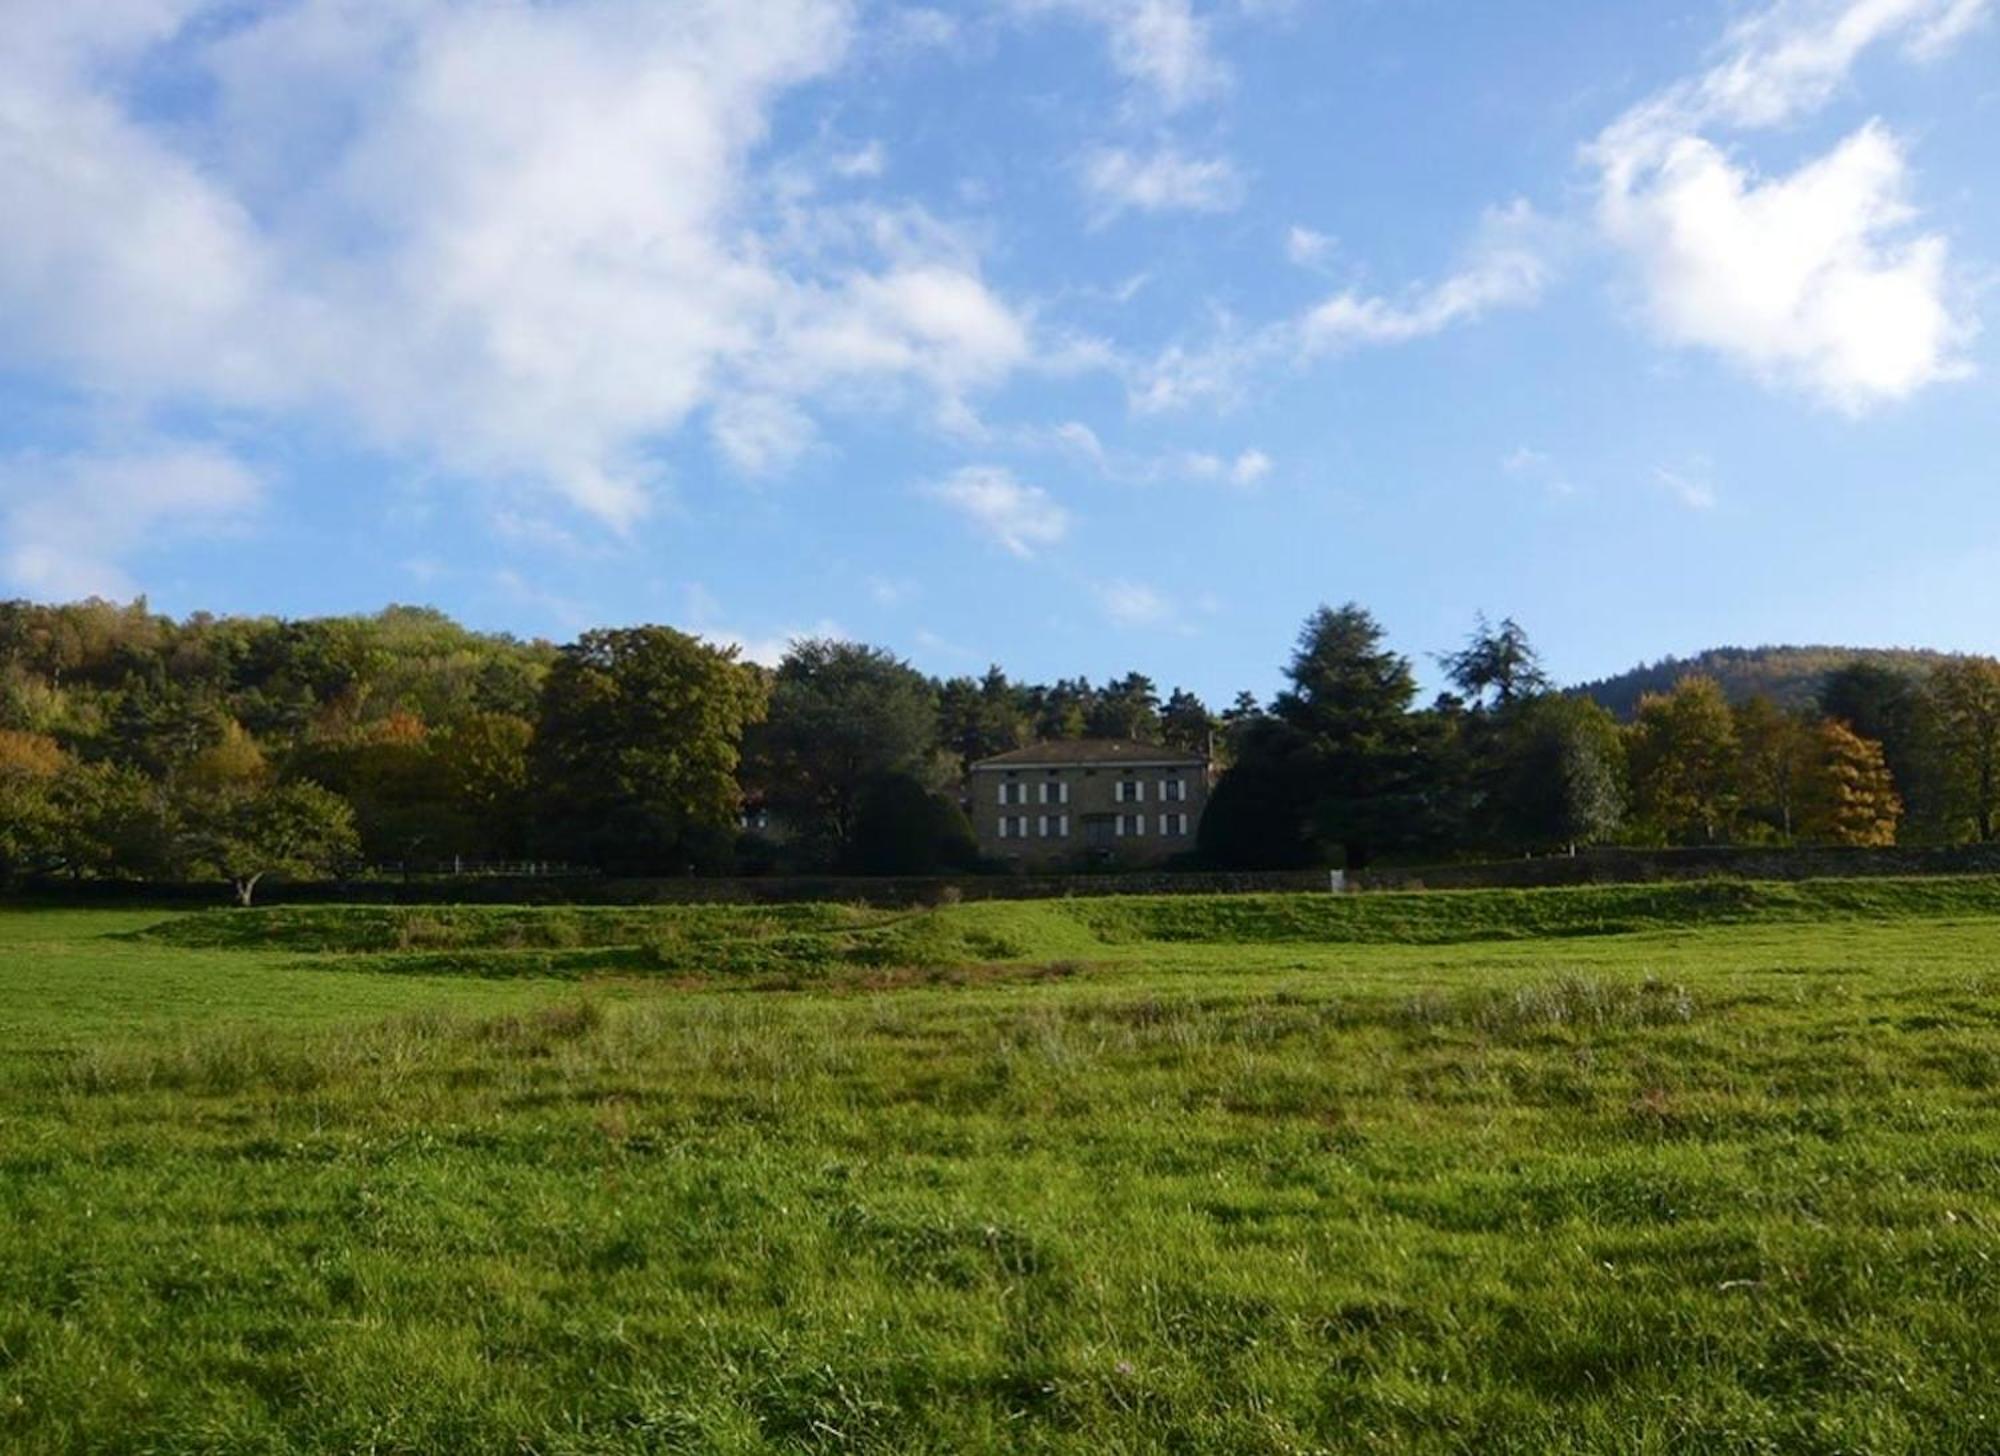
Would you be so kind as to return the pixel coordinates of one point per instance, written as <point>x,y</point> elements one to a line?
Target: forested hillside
<point>1788,676</point>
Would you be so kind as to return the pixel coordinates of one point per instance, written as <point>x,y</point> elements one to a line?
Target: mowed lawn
<point>1700,1168</point>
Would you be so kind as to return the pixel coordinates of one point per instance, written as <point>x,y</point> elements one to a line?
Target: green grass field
<point>1708,1167</point>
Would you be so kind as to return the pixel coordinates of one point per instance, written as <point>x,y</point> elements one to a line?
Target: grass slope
<point>1562,1172</point>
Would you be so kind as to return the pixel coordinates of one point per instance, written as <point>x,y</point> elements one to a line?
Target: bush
<point>902,829</point>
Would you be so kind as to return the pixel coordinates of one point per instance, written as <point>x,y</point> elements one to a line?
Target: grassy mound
<point>788,943</point>
<point>1464,916</point>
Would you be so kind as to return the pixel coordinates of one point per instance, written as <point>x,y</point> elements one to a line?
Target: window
<point>1131,824</point>
<point>1053,826</point>
<point>1057,793</point>
<point>1012,793</point>
<point>1013,826</point>
<point>1175,826</point>
<point>1173,791</point>
<point>1131,791</point>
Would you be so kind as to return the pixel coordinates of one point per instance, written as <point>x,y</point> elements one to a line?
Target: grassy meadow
<point>1704,1167</point>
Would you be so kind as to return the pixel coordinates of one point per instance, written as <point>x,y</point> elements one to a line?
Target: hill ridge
<point>1789,674</point>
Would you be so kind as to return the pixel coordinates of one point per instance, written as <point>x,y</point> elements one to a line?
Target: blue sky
<point>1078,335</point>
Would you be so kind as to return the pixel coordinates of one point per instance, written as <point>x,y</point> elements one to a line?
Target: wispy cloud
<point>1118,180</point>
<point>1508,265</point>
<point>1525,463</point>
<point>1305,247</point>
<point>69,524</point>
<point>1021,518</point>
<point>1163,47</point>
<point>1509,269</point>
<point>1134,604</point>
<point>1693,491</point>
<point>1247,468</point>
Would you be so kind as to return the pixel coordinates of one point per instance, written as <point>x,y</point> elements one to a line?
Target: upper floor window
<point>1173,791</point>
<point>1131,791</point>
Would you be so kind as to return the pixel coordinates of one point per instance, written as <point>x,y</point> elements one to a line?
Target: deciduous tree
<point>634,760</point>
<point>1682,751</point>
<point>1850,797</point>
<point>842,716</point>
<point>1966,695</point>
<point>248,833</point>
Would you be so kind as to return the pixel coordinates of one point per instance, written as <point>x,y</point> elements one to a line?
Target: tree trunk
<point>246,888</point>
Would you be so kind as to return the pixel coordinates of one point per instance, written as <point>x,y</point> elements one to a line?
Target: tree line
<point>134,745</point>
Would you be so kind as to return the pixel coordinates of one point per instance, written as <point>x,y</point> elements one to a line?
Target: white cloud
<point>1525,463</point>
<point>1162,46</point>
<point>766,649</point>
<point>516,241</point>
<point>1508,269</point>
<point>920,27</point>
<point>770,648</point>
<point>890,591</point>
<point>1021,518</point>
<point>1805,279</point>
<point>1790,58</point>
<point>1249,468</point>
<point>1133,604</point>
<point>1306,247</point>
<point>1693,491</point>
<point>1814,278</point>
<point>1183,376</point>
<point>759,434</point>
<point>869,161</point>
<point>1245,471</point>
<point>1508,266</point>
<point>1119,180</point>
<point>71,522</point>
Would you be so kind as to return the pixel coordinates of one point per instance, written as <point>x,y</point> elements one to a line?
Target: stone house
<point>1088,798</point>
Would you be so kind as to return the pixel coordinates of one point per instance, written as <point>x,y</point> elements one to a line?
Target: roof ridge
<point>1058,751</point>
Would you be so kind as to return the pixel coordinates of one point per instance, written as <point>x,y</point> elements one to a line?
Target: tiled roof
<point>1065,752</point>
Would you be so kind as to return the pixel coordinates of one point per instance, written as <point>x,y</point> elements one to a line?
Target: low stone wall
<point>773,890</point>
<point>1596,867</point>
<point>1644,866</point>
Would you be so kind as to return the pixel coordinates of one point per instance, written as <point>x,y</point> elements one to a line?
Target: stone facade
<point>1088,800</point>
